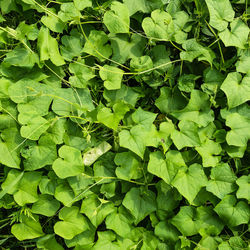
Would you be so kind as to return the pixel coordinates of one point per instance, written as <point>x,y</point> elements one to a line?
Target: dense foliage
<point>124,124</point>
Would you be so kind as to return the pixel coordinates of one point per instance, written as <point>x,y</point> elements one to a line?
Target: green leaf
<point>222,181</point>
<point>170,100</point>
<point>143,118</point>
<point>209,220</point>
<point>185,221</point>
<point>239,133</point>
<point>81,73</point>
<point>96,209</point>
<point>209,151</point>
<point>165,168</point>
<point>21,57</point>
<point>33,125</point>
<point>27,188</point>
<point>221,12</point>
<point>39,155</point>
<point>53,23</point>
<point>145,6</point>
<point>119,223</point>
<point>27,229</point>
<point>187,136</point>
<point>81,5</point>
<point>125,47</point>
<point>237,89</point>
<point>237,35</point>
<point>22,185</point>
<point>117,18</point>
<point>106,240</point>
<point>7,157</point>
<point>48,242</point>
<point>65,194</point>
<point>68,101</point>
<point>93,154</point>
<point>46,205</point>
<point>133,140</point>
<point>159,26</point>
<point>244,186</point>
<point>68,12</point>
<point>48,47</point>
<point>82,240</point>
<point>243,63</point>
<point>72,224</point>
<point>70,163</point>
<point>142,63</point>
<point>96,45</point>
<point>130,166</point>
<point>33,96</point>
<point>140,203</point>
<point>194,50</point>
<point>71,45</point>
<point>197,110</point>
<point>189,181</point>
<point>233,213</point>
<point>168,197</point>
<point>111,76</point>
<point>166,232</point>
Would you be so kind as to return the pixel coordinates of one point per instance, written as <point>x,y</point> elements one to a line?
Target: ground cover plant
<point>124,124</point>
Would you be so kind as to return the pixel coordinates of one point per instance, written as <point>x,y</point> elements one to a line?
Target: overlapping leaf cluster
<point>124,124</point>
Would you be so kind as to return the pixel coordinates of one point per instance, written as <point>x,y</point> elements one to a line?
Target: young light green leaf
<point>117,18</point>
<point>72,224</point>
<point>70,163</point>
